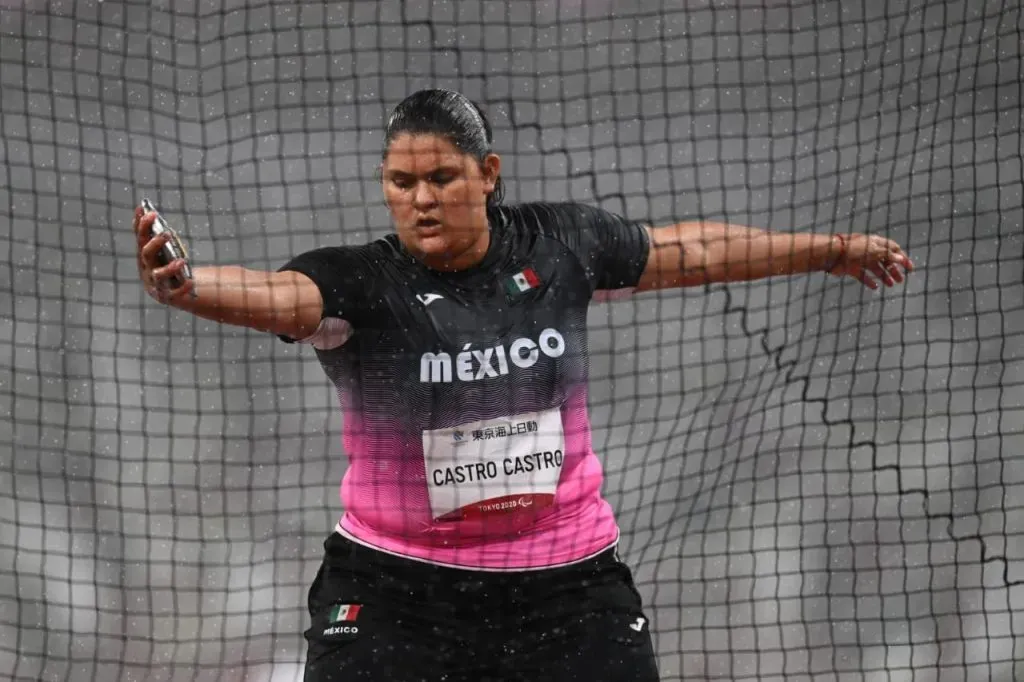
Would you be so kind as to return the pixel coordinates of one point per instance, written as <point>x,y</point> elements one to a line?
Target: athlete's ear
<point>491,169</point>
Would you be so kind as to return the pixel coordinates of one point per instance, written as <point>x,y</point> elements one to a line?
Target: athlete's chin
<point>434,245</point>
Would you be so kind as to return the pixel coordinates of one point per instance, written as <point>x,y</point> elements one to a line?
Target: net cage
<point>814,481</point>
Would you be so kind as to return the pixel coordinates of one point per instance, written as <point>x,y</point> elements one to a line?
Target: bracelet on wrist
<point>833,260</point>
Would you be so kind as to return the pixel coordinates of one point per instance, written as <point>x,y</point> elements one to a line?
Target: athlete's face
<point>438,199</point>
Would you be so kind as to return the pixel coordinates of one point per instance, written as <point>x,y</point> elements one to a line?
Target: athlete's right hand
<point>156,278</point>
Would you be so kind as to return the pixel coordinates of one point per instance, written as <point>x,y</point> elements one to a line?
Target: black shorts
<point>376,616</point>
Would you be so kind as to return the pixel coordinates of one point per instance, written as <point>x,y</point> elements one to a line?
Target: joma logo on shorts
<point>487,363</point>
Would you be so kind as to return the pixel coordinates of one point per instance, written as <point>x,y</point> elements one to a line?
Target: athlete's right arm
<point>284,303</point>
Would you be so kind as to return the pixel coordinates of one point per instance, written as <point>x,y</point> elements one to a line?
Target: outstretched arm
<point>698,253</point>
<point>284,303</point>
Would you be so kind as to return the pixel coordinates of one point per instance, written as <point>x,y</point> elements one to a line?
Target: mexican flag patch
<point>344,612</point>
<point>523,280</point>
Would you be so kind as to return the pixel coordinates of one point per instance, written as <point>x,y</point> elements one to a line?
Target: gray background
<point>814,481</point>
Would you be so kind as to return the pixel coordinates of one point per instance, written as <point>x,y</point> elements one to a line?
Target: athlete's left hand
<point>871,259</point>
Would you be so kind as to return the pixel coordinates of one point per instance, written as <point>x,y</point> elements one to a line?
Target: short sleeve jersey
<point>464,394</point>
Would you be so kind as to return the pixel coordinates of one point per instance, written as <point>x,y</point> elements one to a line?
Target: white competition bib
<point>494,466</point>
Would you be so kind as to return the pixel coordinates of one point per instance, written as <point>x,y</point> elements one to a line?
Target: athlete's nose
<point>423,196</point>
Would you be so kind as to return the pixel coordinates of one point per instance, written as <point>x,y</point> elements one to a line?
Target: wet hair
<point>451,115</point>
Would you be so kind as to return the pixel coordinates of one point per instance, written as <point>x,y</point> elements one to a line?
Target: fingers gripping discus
<point>173,249</point>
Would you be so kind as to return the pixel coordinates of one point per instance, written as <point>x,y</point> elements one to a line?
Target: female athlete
<point>475,543</point>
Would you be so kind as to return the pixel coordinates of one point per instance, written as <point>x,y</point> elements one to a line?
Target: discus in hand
<point>163,259</point>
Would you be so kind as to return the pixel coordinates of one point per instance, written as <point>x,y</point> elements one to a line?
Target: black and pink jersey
<point>464,395</point>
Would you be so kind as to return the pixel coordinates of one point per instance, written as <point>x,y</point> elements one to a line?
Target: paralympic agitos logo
<point>476,364</point>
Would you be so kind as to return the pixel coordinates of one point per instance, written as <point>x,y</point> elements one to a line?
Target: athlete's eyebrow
<point>440,168</point>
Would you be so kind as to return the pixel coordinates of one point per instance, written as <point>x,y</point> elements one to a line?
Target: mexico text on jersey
<point>474,364</point>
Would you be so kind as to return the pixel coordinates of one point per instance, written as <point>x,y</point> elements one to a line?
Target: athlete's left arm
<point>698,253</point>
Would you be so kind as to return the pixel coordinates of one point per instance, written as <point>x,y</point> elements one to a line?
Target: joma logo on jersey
<point>476,364</point>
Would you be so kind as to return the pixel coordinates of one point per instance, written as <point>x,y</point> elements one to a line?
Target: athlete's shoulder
<point>575,225</point>
<point>545,217</point>
<point>351,278</point>
<point>348,257</point>
<point>384,250</point>
<point>562,223</point>
<point>612,250</point>
<point>381,249</point>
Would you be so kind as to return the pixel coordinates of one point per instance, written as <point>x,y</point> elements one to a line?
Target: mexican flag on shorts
<point>344,612</point>
<point>524,280</point>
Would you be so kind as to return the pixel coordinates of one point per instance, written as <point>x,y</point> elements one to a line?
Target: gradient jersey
<point>464,395</point>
